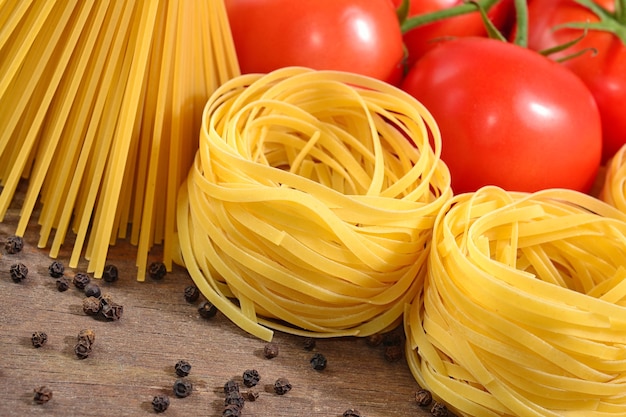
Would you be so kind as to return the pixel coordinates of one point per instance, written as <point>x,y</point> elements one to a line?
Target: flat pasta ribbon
<point>310,204</point>
<point>523,309</point>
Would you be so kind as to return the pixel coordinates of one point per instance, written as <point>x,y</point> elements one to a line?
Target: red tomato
<point>361,36</point>
<point>421,39</point>
<point>508,116</point>
<point>604,73</point>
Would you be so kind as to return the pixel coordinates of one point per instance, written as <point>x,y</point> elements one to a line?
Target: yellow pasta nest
<point>614,188</point>
<point>523,310</point>
<point>311,202</point>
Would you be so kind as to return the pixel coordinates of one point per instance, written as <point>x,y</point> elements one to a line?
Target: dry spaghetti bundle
<point>614,188</point>
<point>310,205</point>
<point>101,104</point>
<point>523,311</point>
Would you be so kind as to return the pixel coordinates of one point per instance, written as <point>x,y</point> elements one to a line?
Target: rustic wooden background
<point>133,359</point>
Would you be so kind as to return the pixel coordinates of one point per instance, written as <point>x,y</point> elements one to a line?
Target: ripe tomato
<point>349,35</point>
<point>604,73</point>
<point>508,116</point>
<point>421,39</point>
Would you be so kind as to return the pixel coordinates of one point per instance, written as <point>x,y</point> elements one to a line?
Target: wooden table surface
<point>133,358</point>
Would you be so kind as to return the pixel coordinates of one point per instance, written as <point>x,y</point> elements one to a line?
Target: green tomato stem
<point>521,16</point>
<point>461,9</point>
<point>614,23</point>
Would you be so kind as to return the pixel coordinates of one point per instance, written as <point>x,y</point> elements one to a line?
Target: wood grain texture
<point>133,358</point>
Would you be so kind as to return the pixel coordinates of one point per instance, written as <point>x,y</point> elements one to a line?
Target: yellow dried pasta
<point>523,309</point>
<point>310,204</point>
<point>614,187</point>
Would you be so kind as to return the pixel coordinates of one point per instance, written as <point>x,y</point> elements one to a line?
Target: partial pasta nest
<point>311,202</point>
<point>523,310</point>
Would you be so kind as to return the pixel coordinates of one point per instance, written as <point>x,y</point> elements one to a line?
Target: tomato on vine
<point>361,36</point>
<point>508,116</point>
<point>599,55</point>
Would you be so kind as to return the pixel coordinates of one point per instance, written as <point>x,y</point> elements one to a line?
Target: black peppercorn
<point>18,272</point>
<point>62,284</point>
<point>192,293</point>
<point>39,339</point>
<point>182,388</point>
<point>423,398</point>
<point>42,395</point>
<point>351,412</point>
<point>91,306</point>
<point>207,310</point>
<point>282,386</point>
<point>157,270</point>
<point>231,410</point>
<point>160,403</point>
<point>82,349</point>
<point>182,368</point>
<point>439,410</point>
<point>392,339</point>
<point>87,335</point>
<point>230,386</point>
<point>251,377</point>
<point>393,353</point>
<point>250,395</point>
<point>270,350</point>
<point>309,343</point>
<point>111,310</point>
<point>375,339</point>
<point>14,244</point>
<point>92,290</point>
<point>81,280</point>
<point>110,273</point>
<point>56,269</point>
<point>235,398</point>
<point>318,362</point>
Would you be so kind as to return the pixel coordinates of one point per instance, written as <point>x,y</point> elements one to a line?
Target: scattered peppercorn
<point>92,290</point>
<point>182,368</point>
<point>157,270</point>
<point>439,410</point>
<point>270,350</point>
<point>63,284</point>
<point>309,343</point>
<point>375,339</point>
<point>56,269</point>
<point>91,306</point>
<point>393,353</point>
<point>192,293</point>
<point>234,398</point>
<point>111,311</point>
<point>230,386</point>
<point>110,273</point>
<point>160,403</point>
<point>207,310</point>
<point>14,244</point>
<point>42,395</point>
<point>231,410</point>
<point>88,335</point>
<point>82,349</point>
<point>351,412</point>
<point>250,395</point>
<point>39,339</point>
<point>81,280</point>
<point>318,362</point>
<point>423,397</point>
<point>105,297</point>
<point>282,386</point>
<point>392,339</point>
<point>251,377</point>
<point>18,272</point>
<point>182,388</point>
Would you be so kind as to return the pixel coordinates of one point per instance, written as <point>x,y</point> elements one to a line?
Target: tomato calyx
<point>469,6</point>
<point>613,22</point>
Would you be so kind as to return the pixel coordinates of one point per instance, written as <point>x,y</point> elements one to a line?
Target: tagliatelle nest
<point>311,202</point>
<point>523,310</point>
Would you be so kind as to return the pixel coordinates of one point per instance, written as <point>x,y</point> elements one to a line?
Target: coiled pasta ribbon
<point>311,202</point>
<point>523,310</point>
<point>614,188</point>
